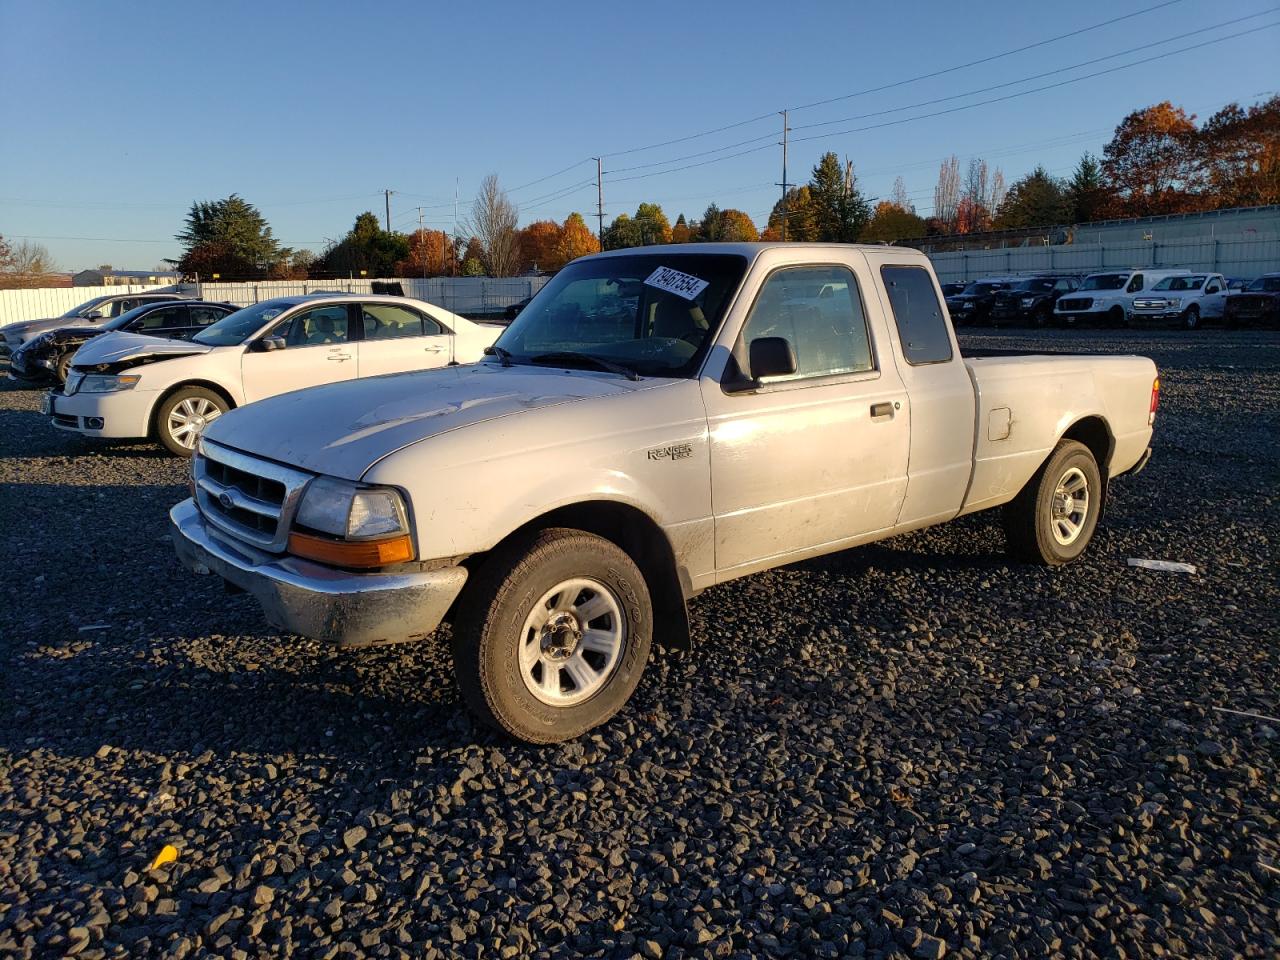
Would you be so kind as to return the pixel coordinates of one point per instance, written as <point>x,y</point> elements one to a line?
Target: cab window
<point>1135,284</point>
<point>818,310</point>
<point>921,321</point>
<point>203,316</point>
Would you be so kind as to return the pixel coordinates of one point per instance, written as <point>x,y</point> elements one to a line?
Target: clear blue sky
<point>117,115</point>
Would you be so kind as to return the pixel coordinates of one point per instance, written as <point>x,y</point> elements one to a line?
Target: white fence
<point>1241,257</point>
<point>18,305</point>
<point>470,296</point>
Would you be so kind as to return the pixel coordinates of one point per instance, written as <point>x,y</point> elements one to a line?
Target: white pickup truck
<point>1184,299</point>
<point>1108,297</point>
<point>132,386</point>
<point>653,423</point>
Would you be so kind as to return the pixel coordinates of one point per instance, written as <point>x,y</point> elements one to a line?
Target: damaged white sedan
<point>126,385</point>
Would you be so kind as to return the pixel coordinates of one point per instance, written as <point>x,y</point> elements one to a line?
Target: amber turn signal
<point>357,553</point>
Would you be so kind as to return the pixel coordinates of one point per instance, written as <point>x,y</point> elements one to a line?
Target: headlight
<point>1028,301</point>
<point>105,383</point>
<point>342,509</point>
<point>370,525</point>
<point>1175,302</point>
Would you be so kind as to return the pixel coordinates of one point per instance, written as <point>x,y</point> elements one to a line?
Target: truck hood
<point>343,429</point>
<point>116,347</point>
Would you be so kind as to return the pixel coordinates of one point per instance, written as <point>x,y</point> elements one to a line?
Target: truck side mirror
<point>268,344</point>
<point>772,357</point>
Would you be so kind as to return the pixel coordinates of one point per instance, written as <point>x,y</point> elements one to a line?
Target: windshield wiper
<point>561,357</point>
<point>503,355</point>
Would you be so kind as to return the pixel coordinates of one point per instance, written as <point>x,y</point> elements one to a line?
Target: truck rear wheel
<point>552,636</point>
<point>1053,519</point>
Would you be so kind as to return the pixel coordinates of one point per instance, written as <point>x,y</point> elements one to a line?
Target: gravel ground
<point>914,749</point>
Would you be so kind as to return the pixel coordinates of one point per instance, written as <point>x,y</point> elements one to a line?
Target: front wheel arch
<point>643,540</point>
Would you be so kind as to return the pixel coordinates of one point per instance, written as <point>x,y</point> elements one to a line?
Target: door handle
<point>339,356</point>
<point>434,349</point>
<point>879,410</point>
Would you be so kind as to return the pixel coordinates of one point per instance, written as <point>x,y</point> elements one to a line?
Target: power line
<point>1037,76</point>
<point>1050,86</point>
<point>989,59</point>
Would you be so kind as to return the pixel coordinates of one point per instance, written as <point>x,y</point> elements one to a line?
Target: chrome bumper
<point>348,609</point>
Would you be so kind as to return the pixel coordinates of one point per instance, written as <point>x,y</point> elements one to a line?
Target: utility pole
<point>599,205</point>
<point>785,131</point>
<point>388,193</point>
<point>422,241</point>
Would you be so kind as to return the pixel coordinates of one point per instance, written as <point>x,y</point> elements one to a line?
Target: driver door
<point>1214,301</point>
<point>318,349</point>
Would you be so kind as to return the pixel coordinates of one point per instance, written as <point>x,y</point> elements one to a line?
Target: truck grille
<point>1067,304</point>
<point>1150,304</point>
<point>249,498</point>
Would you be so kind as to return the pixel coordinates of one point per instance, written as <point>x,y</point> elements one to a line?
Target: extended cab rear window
<point>922,326</point>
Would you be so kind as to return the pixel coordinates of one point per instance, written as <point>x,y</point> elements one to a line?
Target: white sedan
<point>125,385</point>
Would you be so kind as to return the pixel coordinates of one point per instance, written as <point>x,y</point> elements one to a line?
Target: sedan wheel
<point>183,416</point>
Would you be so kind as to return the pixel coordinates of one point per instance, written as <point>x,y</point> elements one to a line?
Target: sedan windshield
<point>1105,281</point>
<point>653,314</point>
<point>238,327</point>
<point>89,306</point>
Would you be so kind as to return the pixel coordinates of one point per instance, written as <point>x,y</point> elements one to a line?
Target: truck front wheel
<point>552,635</point>
<point>1052,520</point>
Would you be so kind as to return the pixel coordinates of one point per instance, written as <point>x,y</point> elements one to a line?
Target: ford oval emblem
<point>226,501</point>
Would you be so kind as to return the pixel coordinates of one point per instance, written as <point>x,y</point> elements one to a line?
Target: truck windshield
<point>1033,286</point>
<point>238,327</point>
<point>653,314</point>
<point>1265,285</point>
<point>979,289</point>
<point>1105,281</point>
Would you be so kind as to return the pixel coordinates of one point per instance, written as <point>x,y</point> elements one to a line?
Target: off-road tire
<point>1028,518</point>
<point>491,616</point>
<point>166,407</point>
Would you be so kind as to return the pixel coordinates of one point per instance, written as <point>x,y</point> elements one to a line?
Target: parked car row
<point>146,379</point>
<point>90,313</point>
<point>1113,298</point>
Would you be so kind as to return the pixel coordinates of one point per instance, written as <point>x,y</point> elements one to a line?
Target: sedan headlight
<point>1028,301</point>
<point>107,383</point>
<point>365,526</point>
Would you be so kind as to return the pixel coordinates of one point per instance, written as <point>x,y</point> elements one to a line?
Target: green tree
<point>367,249</point>
<point>840,210</point>
<point>654,225</point>
<point>624,232</point>
<point>710,228</point>
<point>1086,191</point>
<point>1037,200</point>
<point>235,237</point>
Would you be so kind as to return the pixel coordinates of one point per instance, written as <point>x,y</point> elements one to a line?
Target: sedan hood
<point>343,429</point>
<point>117,347</point>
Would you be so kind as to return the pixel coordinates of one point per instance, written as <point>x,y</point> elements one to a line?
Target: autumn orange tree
<point>891,221</point>
<point>431,254</point>
<point>576,239</point>
<point>1151,163</point>
<point>548,245</point>
<point>1239,151</point>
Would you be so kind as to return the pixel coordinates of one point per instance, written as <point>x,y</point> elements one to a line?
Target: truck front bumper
<point>314,600</point>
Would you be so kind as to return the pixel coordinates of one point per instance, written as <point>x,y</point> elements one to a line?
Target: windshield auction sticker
<point>673,281</point>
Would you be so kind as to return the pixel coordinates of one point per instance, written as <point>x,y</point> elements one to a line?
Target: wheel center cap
<point>560,637</point>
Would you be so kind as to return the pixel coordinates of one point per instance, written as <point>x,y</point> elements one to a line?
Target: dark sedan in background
<point>1257,306</point>
<point>1030,300</point>
<point>47,356</point>
<point>91,313</point>
<point>973,305</point>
